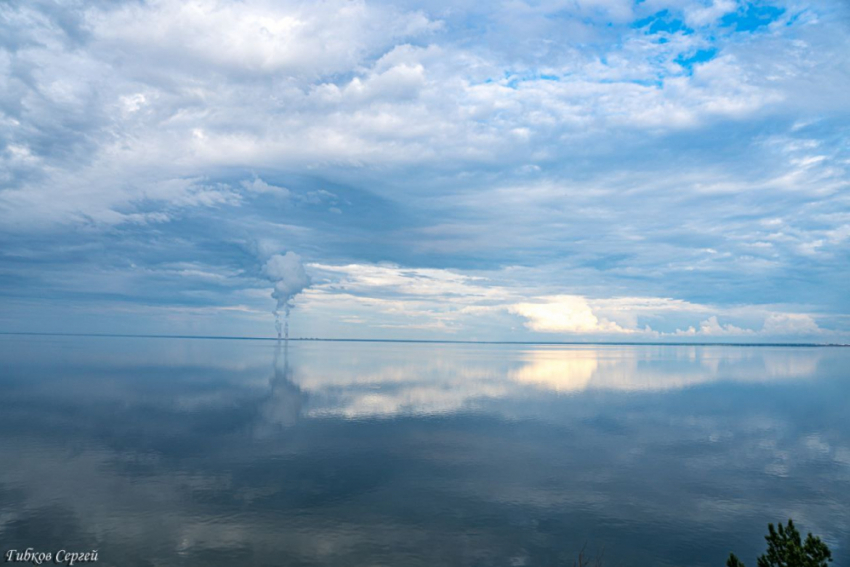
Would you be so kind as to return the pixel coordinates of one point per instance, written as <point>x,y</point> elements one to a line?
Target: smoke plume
<point>290,279</point>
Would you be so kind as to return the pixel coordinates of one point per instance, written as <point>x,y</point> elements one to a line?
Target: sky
<point>582,170</point>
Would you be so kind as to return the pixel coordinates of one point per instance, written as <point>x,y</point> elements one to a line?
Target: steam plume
<point>290,279</point>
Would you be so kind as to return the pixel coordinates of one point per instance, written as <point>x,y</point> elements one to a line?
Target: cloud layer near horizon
<point>667,169</point>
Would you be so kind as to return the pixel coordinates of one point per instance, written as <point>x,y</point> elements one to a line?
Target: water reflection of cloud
<point>194,482</point>
<point>362,380</point>
<point>428,384</point>
<point>439,380</point>
<point>568,371</point>
<point>661,368</point>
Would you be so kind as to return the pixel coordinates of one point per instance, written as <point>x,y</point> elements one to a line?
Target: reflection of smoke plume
<point>283,405</point>
<point>290,279</point>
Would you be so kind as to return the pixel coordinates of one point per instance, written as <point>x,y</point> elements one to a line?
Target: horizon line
<point>421,341</point>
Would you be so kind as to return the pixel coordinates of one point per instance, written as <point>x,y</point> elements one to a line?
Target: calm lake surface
<point>238,452</point>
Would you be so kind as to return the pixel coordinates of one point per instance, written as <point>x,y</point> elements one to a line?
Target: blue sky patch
<point>662,22</point>
<point>752,17</point>
<point>700,56</point>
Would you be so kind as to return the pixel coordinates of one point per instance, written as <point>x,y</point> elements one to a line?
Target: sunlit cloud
<point>565,314</point>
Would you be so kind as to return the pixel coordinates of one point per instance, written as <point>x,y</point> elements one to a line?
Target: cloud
<point>257,185</point>
<point>712,328</point>
<point>394,297</point>
<point>775,324</point>
<point>564,314</point>
<point>662,162</point>
<point>790,324</point>
<point>697,15</point>
<point>256,37</point>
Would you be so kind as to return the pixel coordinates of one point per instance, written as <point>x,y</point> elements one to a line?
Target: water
<point>225,452</point>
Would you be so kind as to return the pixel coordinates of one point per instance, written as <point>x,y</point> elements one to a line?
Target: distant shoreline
<point>418,341</point>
